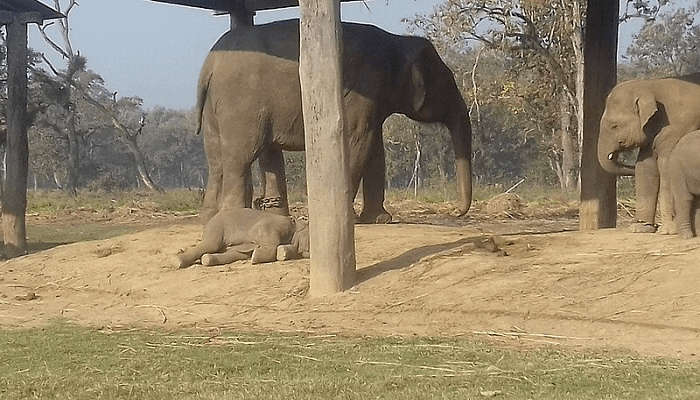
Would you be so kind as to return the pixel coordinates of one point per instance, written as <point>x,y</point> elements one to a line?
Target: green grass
<point>189,201</point>
<point>66,362</point>
<point>52,202</point>
<point>529,193</point>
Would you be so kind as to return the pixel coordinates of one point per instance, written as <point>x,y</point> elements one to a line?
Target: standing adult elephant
<point>651,115</point>
<point>249,104</point>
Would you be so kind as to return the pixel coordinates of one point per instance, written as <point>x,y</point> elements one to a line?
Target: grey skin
<point>649,115</point>
<point>684,170</point>
<point>249,104</point>
<point>243,232</point>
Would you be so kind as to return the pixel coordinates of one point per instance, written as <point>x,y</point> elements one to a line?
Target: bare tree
<point>80,84</point>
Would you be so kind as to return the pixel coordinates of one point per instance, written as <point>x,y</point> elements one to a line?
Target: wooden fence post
<point>15,191</point>
<point>331,216</point>
<point>598,189</point>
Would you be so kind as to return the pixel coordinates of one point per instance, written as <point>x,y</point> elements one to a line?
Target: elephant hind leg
<point>696,219</point>
<point>237,188</point>
<point>234,253</point>
<point>212,149</point>
<point>190,256</point>
<point>272,165</point>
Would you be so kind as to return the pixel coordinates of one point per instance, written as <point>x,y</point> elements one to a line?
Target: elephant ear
<point>646,108</point>
<point>417,84</point>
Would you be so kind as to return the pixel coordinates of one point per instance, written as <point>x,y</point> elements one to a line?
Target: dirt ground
<point>528,282</point>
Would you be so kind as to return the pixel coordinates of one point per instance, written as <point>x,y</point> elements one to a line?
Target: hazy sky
<point>155,50</point>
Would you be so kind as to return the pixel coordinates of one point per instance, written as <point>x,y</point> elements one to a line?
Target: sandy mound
<point>606,288</point>
<point>504,204</point>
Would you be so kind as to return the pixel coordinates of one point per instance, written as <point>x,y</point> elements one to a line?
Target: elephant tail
<point>202,90</point>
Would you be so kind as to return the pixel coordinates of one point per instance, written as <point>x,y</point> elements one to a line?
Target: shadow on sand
<point>481,242</point>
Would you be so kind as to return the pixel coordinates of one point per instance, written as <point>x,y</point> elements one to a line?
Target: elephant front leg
<point>684,208</point>
<point>663,145</point>
<point>373,180</point>
<point>275,187</point>
<point>647,191</point>
<point>189,257</point>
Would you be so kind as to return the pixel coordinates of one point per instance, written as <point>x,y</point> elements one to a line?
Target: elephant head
<point>428,93</point>
<point>628,111</point>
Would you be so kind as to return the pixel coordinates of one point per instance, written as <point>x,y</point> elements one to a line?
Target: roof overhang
<point>227,5</point>
<point>32,11</point>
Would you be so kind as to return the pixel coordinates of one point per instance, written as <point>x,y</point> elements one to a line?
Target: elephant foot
<point>207,260</point>
<point>377,217</point>
<point>180,262</point>
<point>264,254</point>
<point>686,234</point>
<point>642,227</point>
<point>667,229</point>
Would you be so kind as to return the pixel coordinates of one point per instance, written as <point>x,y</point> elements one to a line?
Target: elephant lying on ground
<point>249,105</point>
<point>244,232</point>
<point>651,115</point>
<point>684,170</point>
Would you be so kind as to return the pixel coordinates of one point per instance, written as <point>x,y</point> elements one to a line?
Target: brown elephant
<point>249,104</point>
<point>651,115</point>
<point>684,172</point>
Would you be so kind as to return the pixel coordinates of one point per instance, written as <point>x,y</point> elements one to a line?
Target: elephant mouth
<point>614,157</point>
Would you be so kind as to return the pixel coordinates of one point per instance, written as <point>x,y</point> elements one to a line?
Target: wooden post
<point>240,16</point>
<point>598,190</point>
<point>331,216</point>
<point>15,191</point>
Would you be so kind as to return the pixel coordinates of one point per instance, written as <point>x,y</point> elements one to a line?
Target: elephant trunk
<point>461,134</point>
<point>608,152</point>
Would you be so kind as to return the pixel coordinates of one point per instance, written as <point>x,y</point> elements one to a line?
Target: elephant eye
<point>613,126</point>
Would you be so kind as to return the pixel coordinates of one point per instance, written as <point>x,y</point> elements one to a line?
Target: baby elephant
<point>684,171</point>
<point>233,235</point>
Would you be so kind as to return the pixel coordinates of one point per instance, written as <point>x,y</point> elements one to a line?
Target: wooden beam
<point>225,5</point>
<point>8,17</point>
<point>331,216</point>
<point>598,188</point>
<point>15,190</point>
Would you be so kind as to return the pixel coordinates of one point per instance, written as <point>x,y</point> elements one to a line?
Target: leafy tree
<point>668,45</point>
<point>540,44</point>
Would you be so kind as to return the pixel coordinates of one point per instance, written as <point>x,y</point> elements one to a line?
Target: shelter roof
<point>226,5</point>
<point>23,6</point>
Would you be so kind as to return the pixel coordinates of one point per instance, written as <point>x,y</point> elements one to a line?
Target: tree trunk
<point>416,165</point>
<point>17,151</point>
<point>73,166</point>
<point>577,42</point>
<point>568,159</point>
<point>57,181</point>
<point>330,196</point>
<point>598,192</point>
<point>140,162</point>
